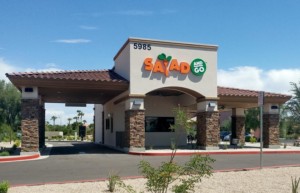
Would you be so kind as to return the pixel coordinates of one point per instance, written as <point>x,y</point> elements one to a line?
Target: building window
<point>158,124</point>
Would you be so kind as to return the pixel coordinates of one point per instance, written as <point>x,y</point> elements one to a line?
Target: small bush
<point>295,185</point>
<point>247,138</point>
<point>18,143</point>
<point>4,185</point>
<point>161,178</point>
<point>252,140</point>
<point>113,180</point>
<point>4,153</point>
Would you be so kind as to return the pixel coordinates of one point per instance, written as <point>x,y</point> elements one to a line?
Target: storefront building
<point>134,101</point>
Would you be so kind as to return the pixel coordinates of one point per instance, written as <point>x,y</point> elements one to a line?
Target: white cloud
<point>247,77</point>
<point>6,68</point>
<point>51,65</point>
<point>135,12</point>
<point>86,27</point>
<point>72,41</point>
<point>43,70</point>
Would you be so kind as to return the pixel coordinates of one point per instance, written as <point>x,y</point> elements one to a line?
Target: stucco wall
<point>117,111</point>
<point>159,106</point>
<point>98,123</point>
<point>142,81</point>
<point>122,63</point>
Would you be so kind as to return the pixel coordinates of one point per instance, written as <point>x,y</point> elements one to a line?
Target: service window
<point>158,124</point>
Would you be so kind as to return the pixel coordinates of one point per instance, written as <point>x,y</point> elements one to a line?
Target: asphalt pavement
<point>77,161</point>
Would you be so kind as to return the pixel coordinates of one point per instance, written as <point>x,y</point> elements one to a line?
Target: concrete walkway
<point>249,148</point>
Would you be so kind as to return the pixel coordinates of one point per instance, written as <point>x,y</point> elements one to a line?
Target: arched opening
<point>159,115</point>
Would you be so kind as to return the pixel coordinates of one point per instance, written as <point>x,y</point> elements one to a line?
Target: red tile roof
<point>92,75</point>
<point>225,91</point>
<point>111,76</point>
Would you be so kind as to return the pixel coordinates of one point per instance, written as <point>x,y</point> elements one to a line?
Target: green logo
<point>198,67</point>
<point>163,57</point>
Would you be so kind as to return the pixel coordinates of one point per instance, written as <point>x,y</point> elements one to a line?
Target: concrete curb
<point>19,158</point>
<point>213,153</point>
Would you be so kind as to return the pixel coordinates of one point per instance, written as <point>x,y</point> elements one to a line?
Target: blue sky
<point>258,39</point>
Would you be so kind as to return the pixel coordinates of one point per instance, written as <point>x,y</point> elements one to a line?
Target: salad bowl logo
<point>165,64</point>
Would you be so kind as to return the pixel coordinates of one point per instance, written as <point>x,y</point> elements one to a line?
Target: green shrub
<point>160,179</point>
<point>4,185</point>
<point>113,179</point>
<point>70,138</point>
<point>252,140</point>
<point>18,143</point>
<point>247,138</point>
<point>4,153</point>
<point>295,185</point>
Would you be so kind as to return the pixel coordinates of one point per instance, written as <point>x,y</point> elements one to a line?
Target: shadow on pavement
<point>71,148</point>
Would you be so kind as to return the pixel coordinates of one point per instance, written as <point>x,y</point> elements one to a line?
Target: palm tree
<point>293,105</point>
<point>69,120</point>
<point>53,118</point>
<point>292,109</point>
<point>76,118</point>
<point>84,122</point>
<point>80,114</point>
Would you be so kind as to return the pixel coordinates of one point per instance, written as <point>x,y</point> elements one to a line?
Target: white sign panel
<point>261,95</point>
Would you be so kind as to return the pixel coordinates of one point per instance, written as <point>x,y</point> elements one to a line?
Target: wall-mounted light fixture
<point>137,102</point>
<point>212,104</point>
<point>274,107</point>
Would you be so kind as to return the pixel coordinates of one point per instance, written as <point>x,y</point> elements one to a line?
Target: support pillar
<point>238,125</point>
<point>30,109</point>
<point>134,137</point>
<point>208,125</point>
<point>42,126</point>
<point>271,126</point>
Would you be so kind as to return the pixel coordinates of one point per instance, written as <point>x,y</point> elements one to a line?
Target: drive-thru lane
<point>75,161</point>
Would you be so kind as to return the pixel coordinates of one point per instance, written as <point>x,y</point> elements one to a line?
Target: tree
<point>161,178</point>
<point>80,114</point>
<point>69,121</point>
<point>10,105</point>
<point>291,112</point>
<point>76,119</point>
<point>53,118</point>
<point>252,119</point>
<point>293,105</point>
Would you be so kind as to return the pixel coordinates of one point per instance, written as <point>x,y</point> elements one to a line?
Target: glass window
<point>158,124</point>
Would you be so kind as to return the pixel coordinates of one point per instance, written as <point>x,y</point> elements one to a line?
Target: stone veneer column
<point>208,125</point>
<point>135,129</point>
<point>271,126</point>
<point>238,125</point>
<point>208,130</point>
<point>30,125</point>
<point>271,130</point>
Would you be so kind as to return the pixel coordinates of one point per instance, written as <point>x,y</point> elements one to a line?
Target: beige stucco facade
<point>144,93</point>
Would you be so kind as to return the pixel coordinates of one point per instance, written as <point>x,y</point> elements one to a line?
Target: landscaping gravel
<point>277,180</point>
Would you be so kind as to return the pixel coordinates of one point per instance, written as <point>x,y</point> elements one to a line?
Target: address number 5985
<point>141,46</point>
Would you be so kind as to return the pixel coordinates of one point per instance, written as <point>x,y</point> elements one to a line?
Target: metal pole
<point>261,136</point>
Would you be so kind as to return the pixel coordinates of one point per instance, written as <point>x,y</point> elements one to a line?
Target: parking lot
<point>72,161</point>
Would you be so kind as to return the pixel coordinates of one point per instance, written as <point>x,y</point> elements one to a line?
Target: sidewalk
<point>249,148</point>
